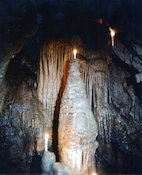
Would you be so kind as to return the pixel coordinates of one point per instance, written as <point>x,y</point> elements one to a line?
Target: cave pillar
<point>77,127</point>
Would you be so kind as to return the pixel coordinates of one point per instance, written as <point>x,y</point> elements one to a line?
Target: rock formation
<point>52,61</point>
<point>77,126</point>
<point>27,110</point>
<point>50,167</point>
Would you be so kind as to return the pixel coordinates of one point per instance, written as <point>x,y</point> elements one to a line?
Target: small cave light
<point>112,33</point>
<point>46,142</point>
<point>75,52</point>
<point>94,173</point>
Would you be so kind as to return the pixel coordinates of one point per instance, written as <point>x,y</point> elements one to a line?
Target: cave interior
<point>41,86</point>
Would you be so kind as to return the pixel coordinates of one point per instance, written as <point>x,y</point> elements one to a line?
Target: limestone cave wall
<point>30,108</point>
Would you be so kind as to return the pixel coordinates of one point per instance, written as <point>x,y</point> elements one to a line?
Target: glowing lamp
<point>75,52</point>
<point>112,33</point>
<point>46,142</point>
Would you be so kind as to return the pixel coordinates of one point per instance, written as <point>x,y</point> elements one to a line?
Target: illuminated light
<point>75,52</point>
<point>112,33</point>
<point>46,142</point>
<point>94,173</point>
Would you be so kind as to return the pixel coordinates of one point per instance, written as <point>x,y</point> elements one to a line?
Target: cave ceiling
<point>25,23</point>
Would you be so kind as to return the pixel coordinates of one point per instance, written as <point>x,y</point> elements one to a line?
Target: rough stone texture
<point>131,56</point>
<point>117,112</point>
<point>77,127</point>
<point>5,57</point>
<point>23,125</point>
<point>139,77</point>
<point>3,91</point>
<point>48,159</point>
<point>50,167</point>
<point>122,94</point>
<point>60,169</point>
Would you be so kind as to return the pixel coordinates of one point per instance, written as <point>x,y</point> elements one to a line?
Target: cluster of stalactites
<point>96,77</point>
<point>81,159</point>
<point>53,57</point>
<point>97,80</point>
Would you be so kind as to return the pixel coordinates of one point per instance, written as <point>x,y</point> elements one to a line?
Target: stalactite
<point>53,57</point>
<point>96,76</point>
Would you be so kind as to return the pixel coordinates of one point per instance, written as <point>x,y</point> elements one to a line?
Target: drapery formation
<point>53,58</point>
<point>97,79</point>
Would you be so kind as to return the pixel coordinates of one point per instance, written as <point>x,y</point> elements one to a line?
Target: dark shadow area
<point>35,167</point>
<point>118,156</point>
<point>57,110</point>
<point>131,80</point>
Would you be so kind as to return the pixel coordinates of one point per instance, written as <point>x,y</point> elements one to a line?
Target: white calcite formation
<point>53,70</point>
<point>96,77</point>
<point>77,127</point>
<point>50,167</point>
<point>53,58</point>
<point>48,159</point>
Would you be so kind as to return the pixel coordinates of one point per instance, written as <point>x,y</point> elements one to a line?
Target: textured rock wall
<point>117,111</point>
<point>23,124</point>
<point>114,103</point>
<point>26,113</point>
<point>96,77</point>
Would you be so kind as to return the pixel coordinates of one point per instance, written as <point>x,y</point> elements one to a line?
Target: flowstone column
<point>77,127</point>
<point>103,111</point>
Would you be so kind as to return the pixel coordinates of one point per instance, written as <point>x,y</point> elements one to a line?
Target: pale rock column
<point>77,127</point>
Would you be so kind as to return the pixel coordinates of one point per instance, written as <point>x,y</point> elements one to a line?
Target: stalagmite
<point>55,56</point>
<point>77,126</point>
